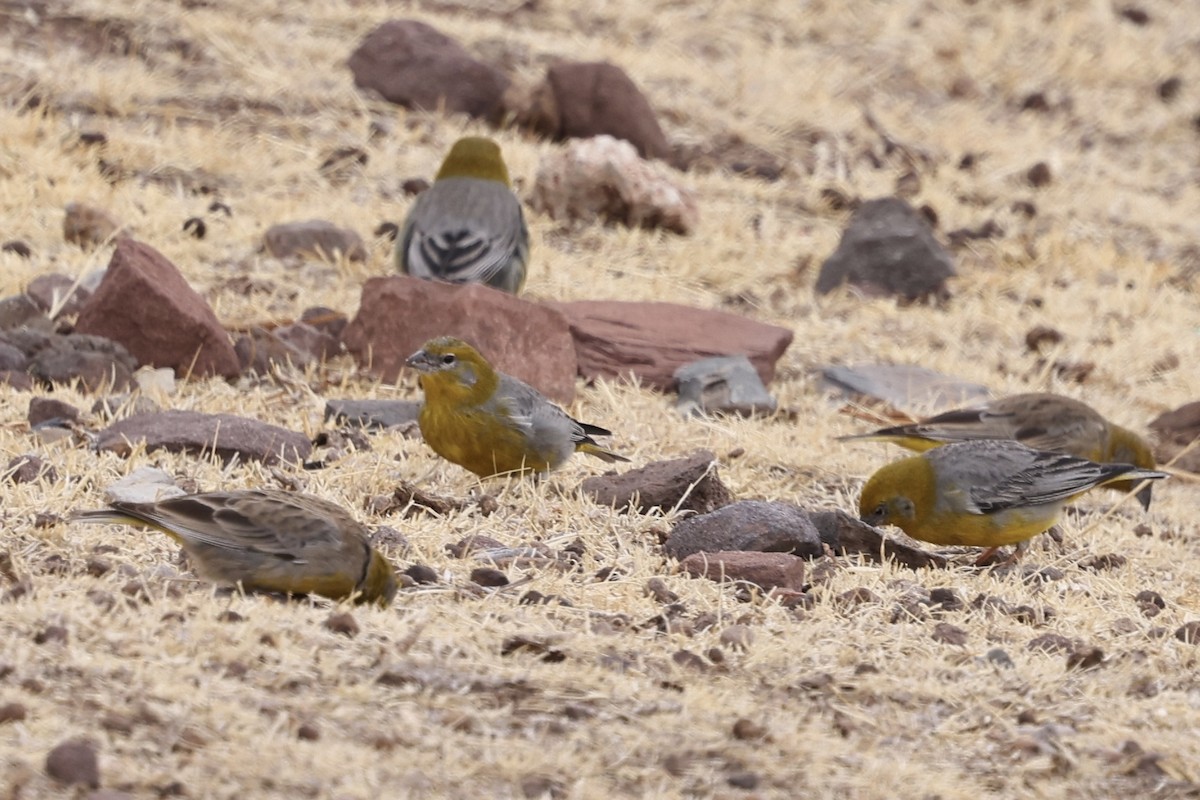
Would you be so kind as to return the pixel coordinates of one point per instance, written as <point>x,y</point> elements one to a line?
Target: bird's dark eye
<point>448,359</point>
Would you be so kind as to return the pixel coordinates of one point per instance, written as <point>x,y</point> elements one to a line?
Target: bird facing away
<point>985,493</point>
<point>267,540</point>
<point>468,226</point>
<point>491,423</point>
<point>1040,420</point>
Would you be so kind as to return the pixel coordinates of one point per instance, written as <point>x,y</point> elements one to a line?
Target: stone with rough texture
<point>578,100</point>
<point>55,289</point>
<point>603,179</point>
<point>527,340</point>
<point>20,310</point>
<point>146,304</point>
<point>259,349</point>
<point>227,435</point>
<point>416,66</point>
<point>765,570</point>
<point>372,413</point>
<point>94,361</point>
<point>722,384</point>
<point>757,525</point>
<point>848,535</point>
<point>691,484</point>
<point>888,248</point>
<point>614,338</point>
<point>314,238</point>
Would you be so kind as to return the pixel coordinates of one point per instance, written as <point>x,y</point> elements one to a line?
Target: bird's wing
<point>265,521</point>
<point>1014,478</point>
<point>463,230</point>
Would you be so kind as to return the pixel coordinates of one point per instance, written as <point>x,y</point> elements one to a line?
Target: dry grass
<point>251,97</point>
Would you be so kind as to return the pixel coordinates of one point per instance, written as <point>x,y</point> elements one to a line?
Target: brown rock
<point>416,66</point>
<point>49,290</point>
<point>604,179</point>
<point>342,622</point>
<point>260,349</point>
<point>145,304</point>
<point>584,99</point>
<point>765,570</point>
<point>87,226</point>
<point>746,525</point>
<point>325,320</point>
<point>847,535</point>
<point>314,238</point>
<point>17,380</point>
<point>48,409</point>
<point>946,633</point>
<point>227,435</point>
<point>690,483</point>
<point>11,357</point>
<point>29,468</point>
<point>888,248</point>
<point>21,310</point>
<point>1188,632</point>
<point>96,362</point>
<point>314,343</point>
<point>12,712</point>
<point>527,340</point>
<point>74,761</point>
<point>17,247</point>
<point>614,338</point>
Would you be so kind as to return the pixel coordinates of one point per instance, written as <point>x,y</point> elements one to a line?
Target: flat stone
<point>765,570</point>
<point>689,483</point>
<point>722,384</point>
<point>848,535</point>
<point>615,338</point>
<point>227,435</point>
<point>372,413</point>
<point>314,238</point>
<point>906,387</point>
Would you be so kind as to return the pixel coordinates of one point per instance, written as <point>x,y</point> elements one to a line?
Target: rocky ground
<point>1054,149</point>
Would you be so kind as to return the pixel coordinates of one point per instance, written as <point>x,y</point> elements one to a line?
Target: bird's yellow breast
<point>478,441</point>
<point>1010,526</point>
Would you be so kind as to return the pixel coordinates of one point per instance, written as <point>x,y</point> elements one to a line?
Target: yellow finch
<point>267,540</point>
<point>491,423</point>
<point>1039,420</point>
<point>986,493</point>
<point>468,226</point>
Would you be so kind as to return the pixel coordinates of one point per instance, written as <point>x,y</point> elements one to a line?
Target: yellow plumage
<point>491,423</point>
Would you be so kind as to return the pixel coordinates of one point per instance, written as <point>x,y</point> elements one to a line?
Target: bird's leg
<point>1018,551</point>
<point>985,558</point>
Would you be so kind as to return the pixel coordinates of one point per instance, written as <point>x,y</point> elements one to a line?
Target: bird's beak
<point>1143,496</point>
<point>421,361</point>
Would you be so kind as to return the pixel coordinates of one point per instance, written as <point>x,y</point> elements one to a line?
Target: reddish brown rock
<point>227,435</point>
<point>603,179</point>
<point>146,304</point>
<point>888,248</point>
<point>416,66</point>
<point>29,468</point>
<point>847,535</point>
<point>581,99</point>
<point>690,483</point>
<point>314,238</point>
<point>260,348</point>
<point>527,340</point>
<point>651,340</point>
<point>765,570</point>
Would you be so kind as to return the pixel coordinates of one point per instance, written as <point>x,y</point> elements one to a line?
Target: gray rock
<point>372,413</point>
<point>722,384</point>
<point>756,525</point>
<point>227,435</point>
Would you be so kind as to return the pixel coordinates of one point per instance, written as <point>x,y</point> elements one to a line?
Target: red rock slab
<point>227,435</point>
<point>615,338</point>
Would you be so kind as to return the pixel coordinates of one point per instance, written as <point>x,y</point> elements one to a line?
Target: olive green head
<point>475,157</point>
